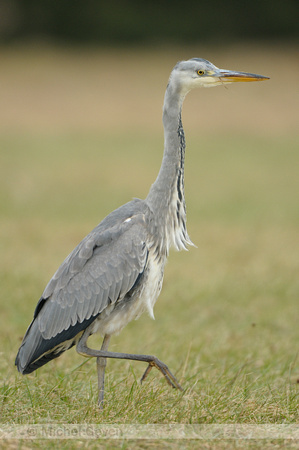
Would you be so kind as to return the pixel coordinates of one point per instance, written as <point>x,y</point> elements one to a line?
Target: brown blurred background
<point>61,62</point>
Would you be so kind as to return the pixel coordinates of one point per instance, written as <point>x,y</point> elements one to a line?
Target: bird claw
<point>170,378</point>
<point>101,400</point>
<point>147,371</point>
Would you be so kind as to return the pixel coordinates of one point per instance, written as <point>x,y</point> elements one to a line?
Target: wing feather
<point>101,270</point>
<point>111,270</point>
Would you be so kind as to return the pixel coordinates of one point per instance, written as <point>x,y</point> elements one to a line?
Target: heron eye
<point>200,72</point>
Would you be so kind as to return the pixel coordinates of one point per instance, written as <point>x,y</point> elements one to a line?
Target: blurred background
<point>62,60</point>
<point>138,22</point>
<point>81,88</point>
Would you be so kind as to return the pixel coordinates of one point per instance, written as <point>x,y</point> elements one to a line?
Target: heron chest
<point>152,287</point>
<point>143,298</point>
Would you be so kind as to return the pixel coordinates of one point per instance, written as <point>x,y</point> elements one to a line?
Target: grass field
<point>80,134</point>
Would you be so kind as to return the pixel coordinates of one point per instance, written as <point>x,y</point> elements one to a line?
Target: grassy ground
<point>81,135</point>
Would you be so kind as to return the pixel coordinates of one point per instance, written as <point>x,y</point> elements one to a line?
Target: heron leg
<point>152,361</point>
<point>101,366</point>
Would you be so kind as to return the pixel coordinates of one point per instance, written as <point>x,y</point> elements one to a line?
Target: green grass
<point>227,319</point>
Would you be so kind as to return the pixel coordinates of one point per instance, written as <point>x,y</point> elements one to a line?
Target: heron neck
<point>166,197</point>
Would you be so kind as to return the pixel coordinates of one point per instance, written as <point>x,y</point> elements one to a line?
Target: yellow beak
<point>230,76</point>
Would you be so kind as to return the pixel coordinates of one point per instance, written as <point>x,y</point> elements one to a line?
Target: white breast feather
<point>112,321</point>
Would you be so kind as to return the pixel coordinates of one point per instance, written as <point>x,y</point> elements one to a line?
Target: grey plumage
<point>99,272</point>
<point>116,272</point>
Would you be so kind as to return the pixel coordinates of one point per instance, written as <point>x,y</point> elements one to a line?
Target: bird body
<point>97,283</point>
<point>116,272</point>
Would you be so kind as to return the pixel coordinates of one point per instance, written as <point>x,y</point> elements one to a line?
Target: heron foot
<point>170,378</point>
<point>102,354</point>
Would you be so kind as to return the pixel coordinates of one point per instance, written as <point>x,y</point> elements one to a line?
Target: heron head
<point>198,72</point>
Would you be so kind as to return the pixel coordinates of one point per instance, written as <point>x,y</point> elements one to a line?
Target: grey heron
<point>116,272</point>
